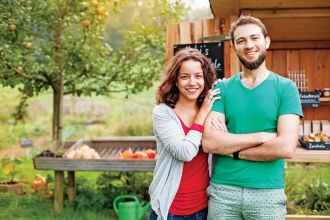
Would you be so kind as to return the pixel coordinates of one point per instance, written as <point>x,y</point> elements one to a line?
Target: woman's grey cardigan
<point>173,148</point>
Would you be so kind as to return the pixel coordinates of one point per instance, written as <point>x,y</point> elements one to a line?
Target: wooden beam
<point>269,4</point>
<point>232,7</point>
<point>279,45</point>
<point>289,13</point>
<point>306,217</point>
<point>297,29</point>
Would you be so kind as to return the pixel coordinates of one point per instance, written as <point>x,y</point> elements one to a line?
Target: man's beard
<point>254,64</point>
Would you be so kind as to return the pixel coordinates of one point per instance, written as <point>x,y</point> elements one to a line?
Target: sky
<point>199,9</point>
<point>197,3</point>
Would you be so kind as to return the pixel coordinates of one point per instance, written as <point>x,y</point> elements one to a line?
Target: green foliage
<point>306,193</point>
<point>51,42</point>
<point>306,198</point>
<point>21,113</point>
<point>60,45</point>
<point>113,184</point>
<point>77,53</point>
<point>141,60</point>
<point>88,197</point>
<point>9,100</point>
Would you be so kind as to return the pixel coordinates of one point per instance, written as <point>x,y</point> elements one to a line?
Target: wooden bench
<point>108,150</point>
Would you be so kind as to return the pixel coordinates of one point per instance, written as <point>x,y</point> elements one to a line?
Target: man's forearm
<point>225,143</point>
<point>271,150</point>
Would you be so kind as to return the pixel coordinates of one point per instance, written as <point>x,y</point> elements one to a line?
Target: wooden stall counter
<point>109,148</point>
<point>313,156</point>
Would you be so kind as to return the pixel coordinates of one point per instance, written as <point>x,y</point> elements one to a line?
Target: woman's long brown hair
<point>168,92</point>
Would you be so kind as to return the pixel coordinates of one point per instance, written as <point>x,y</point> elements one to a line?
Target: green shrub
<point>113,184</point>
<point>88,197</point>
<point>307,195</point>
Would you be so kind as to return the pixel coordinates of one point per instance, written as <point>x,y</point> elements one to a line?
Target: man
<point>261,111</point>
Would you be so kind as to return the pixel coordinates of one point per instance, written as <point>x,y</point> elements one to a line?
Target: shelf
<point>315,156</point>
<point>324,101</point>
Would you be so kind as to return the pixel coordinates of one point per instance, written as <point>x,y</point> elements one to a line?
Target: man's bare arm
<point>224,143</point>
<point>283,146</point>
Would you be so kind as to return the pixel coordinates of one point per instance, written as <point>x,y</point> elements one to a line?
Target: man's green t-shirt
<point>248,111</point>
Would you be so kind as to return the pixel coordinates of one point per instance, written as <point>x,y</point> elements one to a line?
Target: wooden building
<point>299,32</point>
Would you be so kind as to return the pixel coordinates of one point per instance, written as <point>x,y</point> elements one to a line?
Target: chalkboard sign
<point>310,99</point>
<point>214,51</point>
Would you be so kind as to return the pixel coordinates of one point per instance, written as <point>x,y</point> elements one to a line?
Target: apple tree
<point>60,45</point>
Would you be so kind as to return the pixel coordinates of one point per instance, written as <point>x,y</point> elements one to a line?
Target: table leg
<point>59,194</point>
<point>71,186</point>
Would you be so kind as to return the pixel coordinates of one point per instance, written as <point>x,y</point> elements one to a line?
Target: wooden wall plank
<point>227,45</point>
<point>211,27</point>
<point>185,33</point>
<point>269,60</point>
<point>322,68</point>
<point>196,31</point>
<point>307,64</point>
<point>279,62</point>
<point>234,61</point>
<point>292,60</point>
<point>172,37</point>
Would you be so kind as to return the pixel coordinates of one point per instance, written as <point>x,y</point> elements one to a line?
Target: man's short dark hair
<point>243,20</point>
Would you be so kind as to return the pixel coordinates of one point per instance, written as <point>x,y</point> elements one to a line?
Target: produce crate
<point>108,149</point>
<point>315,145</point>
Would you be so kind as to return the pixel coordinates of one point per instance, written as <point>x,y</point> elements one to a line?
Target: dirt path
<point>16,150</point>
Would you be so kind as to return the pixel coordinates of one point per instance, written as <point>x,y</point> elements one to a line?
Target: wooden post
<point>58,195</point>
<point>71,186</point>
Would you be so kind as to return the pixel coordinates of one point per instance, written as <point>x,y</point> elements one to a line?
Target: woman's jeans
<point>201,215</point>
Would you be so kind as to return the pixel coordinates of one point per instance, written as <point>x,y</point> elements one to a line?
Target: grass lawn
<point>30,207</point>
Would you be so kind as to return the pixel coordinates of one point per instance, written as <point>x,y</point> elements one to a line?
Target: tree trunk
<point>57,115</point>
<point>58,84</point>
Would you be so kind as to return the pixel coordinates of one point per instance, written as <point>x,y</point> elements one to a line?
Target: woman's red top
<point>191,196</point>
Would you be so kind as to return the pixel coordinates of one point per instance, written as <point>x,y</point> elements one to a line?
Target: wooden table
<point>110,163</point>
<point>108,150</point>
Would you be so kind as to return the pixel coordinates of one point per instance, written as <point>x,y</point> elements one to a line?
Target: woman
<point>184,98</point>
